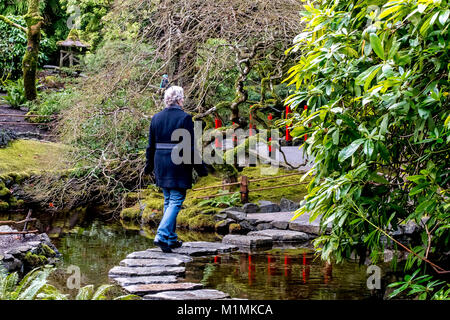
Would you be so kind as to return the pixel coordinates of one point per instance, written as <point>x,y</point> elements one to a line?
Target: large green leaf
<point>349,150</point>
<point>377,46</point>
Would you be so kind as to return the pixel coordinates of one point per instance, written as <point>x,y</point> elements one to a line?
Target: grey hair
<point>172,95</point>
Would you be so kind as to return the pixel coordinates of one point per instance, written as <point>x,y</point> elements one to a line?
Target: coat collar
<point>174,106</point>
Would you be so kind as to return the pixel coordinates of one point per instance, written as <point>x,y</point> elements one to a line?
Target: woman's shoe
<point>164,246</point>
<point>176,244</point>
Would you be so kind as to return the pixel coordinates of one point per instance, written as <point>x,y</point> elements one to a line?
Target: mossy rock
<point>4,193</point>
<point>235,228</point>
<point>201,222</point>
<point>47,251</point>
<point>130,214</point>
<point>151,216</point>
<point>4,206</point>
<point>34,260</point>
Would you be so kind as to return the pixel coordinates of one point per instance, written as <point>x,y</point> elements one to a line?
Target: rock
<point>222,227</point>
<point>119,271</point>
<point>238,209</point>
<point>281,235</point>
<point>268,206</point>
<point>236,215</point>
<point>169,262</point>
<point>128,281</point>
<point>248,241</point>
<point>220,247</point>
<point>141,289</point>
<point>250,208</point>
<point>157,254</point>
<point>191,251</point>
<point>202,294</point>
<point>308,228</point>
<point>219,216</point>
<point>246,226</point>
<point>288,205</point>
<point>282,225</point>
<point>264,226</point>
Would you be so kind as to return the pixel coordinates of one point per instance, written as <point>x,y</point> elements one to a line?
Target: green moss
<point>25,155</point>
<point>34,260</point>
<point>4,206</point>
<point>151,216</point>
<point>47,251</point>
<point>132,213</point>
<point>201,222</point>
<point>4,192</point>
<point>235,228</point>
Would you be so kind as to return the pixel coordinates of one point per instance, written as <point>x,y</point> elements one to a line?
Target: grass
<point>25,155</point>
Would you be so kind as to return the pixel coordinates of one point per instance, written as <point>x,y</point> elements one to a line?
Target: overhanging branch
<point>12,23</point>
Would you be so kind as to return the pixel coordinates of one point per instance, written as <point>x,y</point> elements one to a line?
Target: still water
<point>96,245</point>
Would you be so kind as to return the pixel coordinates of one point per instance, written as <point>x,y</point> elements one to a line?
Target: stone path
<point>158,276</point>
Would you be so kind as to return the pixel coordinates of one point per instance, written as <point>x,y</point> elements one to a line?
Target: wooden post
<point>244,189</point>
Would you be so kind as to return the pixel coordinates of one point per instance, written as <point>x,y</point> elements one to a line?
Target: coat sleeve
<point>199,167</point>
<point>150,152</point>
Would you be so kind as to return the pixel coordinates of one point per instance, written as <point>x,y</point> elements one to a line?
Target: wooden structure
<point>71,49</point>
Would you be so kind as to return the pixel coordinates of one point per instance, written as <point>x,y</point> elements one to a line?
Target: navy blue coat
<point>168,174</point>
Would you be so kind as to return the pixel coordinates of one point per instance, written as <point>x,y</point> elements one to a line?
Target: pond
<point>95,245</point>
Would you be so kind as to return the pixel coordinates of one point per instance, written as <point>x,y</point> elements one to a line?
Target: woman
<point>174,179</point>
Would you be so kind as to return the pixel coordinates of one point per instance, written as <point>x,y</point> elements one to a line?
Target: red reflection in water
<point>287,266</point>
<point>306,269</point>
<point>217,259</point>
<point>251,270</point>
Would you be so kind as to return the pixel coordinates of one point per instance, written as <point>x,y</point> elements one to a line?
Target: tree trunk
<point>30,59</point>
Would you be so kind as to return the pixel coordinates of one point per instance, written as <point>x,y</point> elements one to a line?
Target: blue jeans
<point>173,199</point>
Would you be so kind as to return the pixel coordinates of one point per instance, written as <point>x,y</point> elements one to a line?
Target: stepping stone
<point>250,208</point>
<point>156,253</point>
<point>282,225</point>
<point>119,271</point>
<point>281,235</point>
<point>142,289</point>
<point>169,262</point>
<point>128,281</point>
<point>191,251</point>
<point>220,247</point>
<point>202,294</point>
<point>248,241</point>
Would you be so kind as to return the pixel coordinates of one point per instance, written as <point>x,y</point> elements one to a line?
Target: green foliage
<point>15,93</point>
<point>421,286</point>
<point>34,286</point>
<point>224,201</point>
<point>375,79</point>
<point>13,43</point>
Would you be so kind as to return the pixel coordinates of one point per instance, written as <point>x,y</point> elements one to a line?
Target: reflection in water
<point>95,246</point>
<point>285,274</point>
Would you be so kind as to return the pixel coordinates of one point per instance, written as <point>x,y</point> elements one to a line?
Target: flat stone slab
<point>202,294</point>
<point>220,247</point>
<point>128,281</point>
<point>169,262</point>
<point>142,289</point>
<point>281,235</point>
<point>156,253</point>
<point>255,241</point>
<point>119,271</point>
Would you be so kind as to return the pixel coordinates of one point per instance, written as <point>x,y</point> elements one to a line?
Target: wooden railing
<point>244,184</point>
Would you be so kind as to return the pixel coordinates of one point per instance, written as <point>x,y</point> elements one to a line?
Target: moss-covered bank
<point>148,204</point>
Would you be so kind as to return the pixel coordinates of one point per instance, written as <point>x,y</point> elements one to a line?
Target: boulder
<point>250,208</point>
<point>268,206</point>
<point>288,205</point>
<point>202,294</point>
